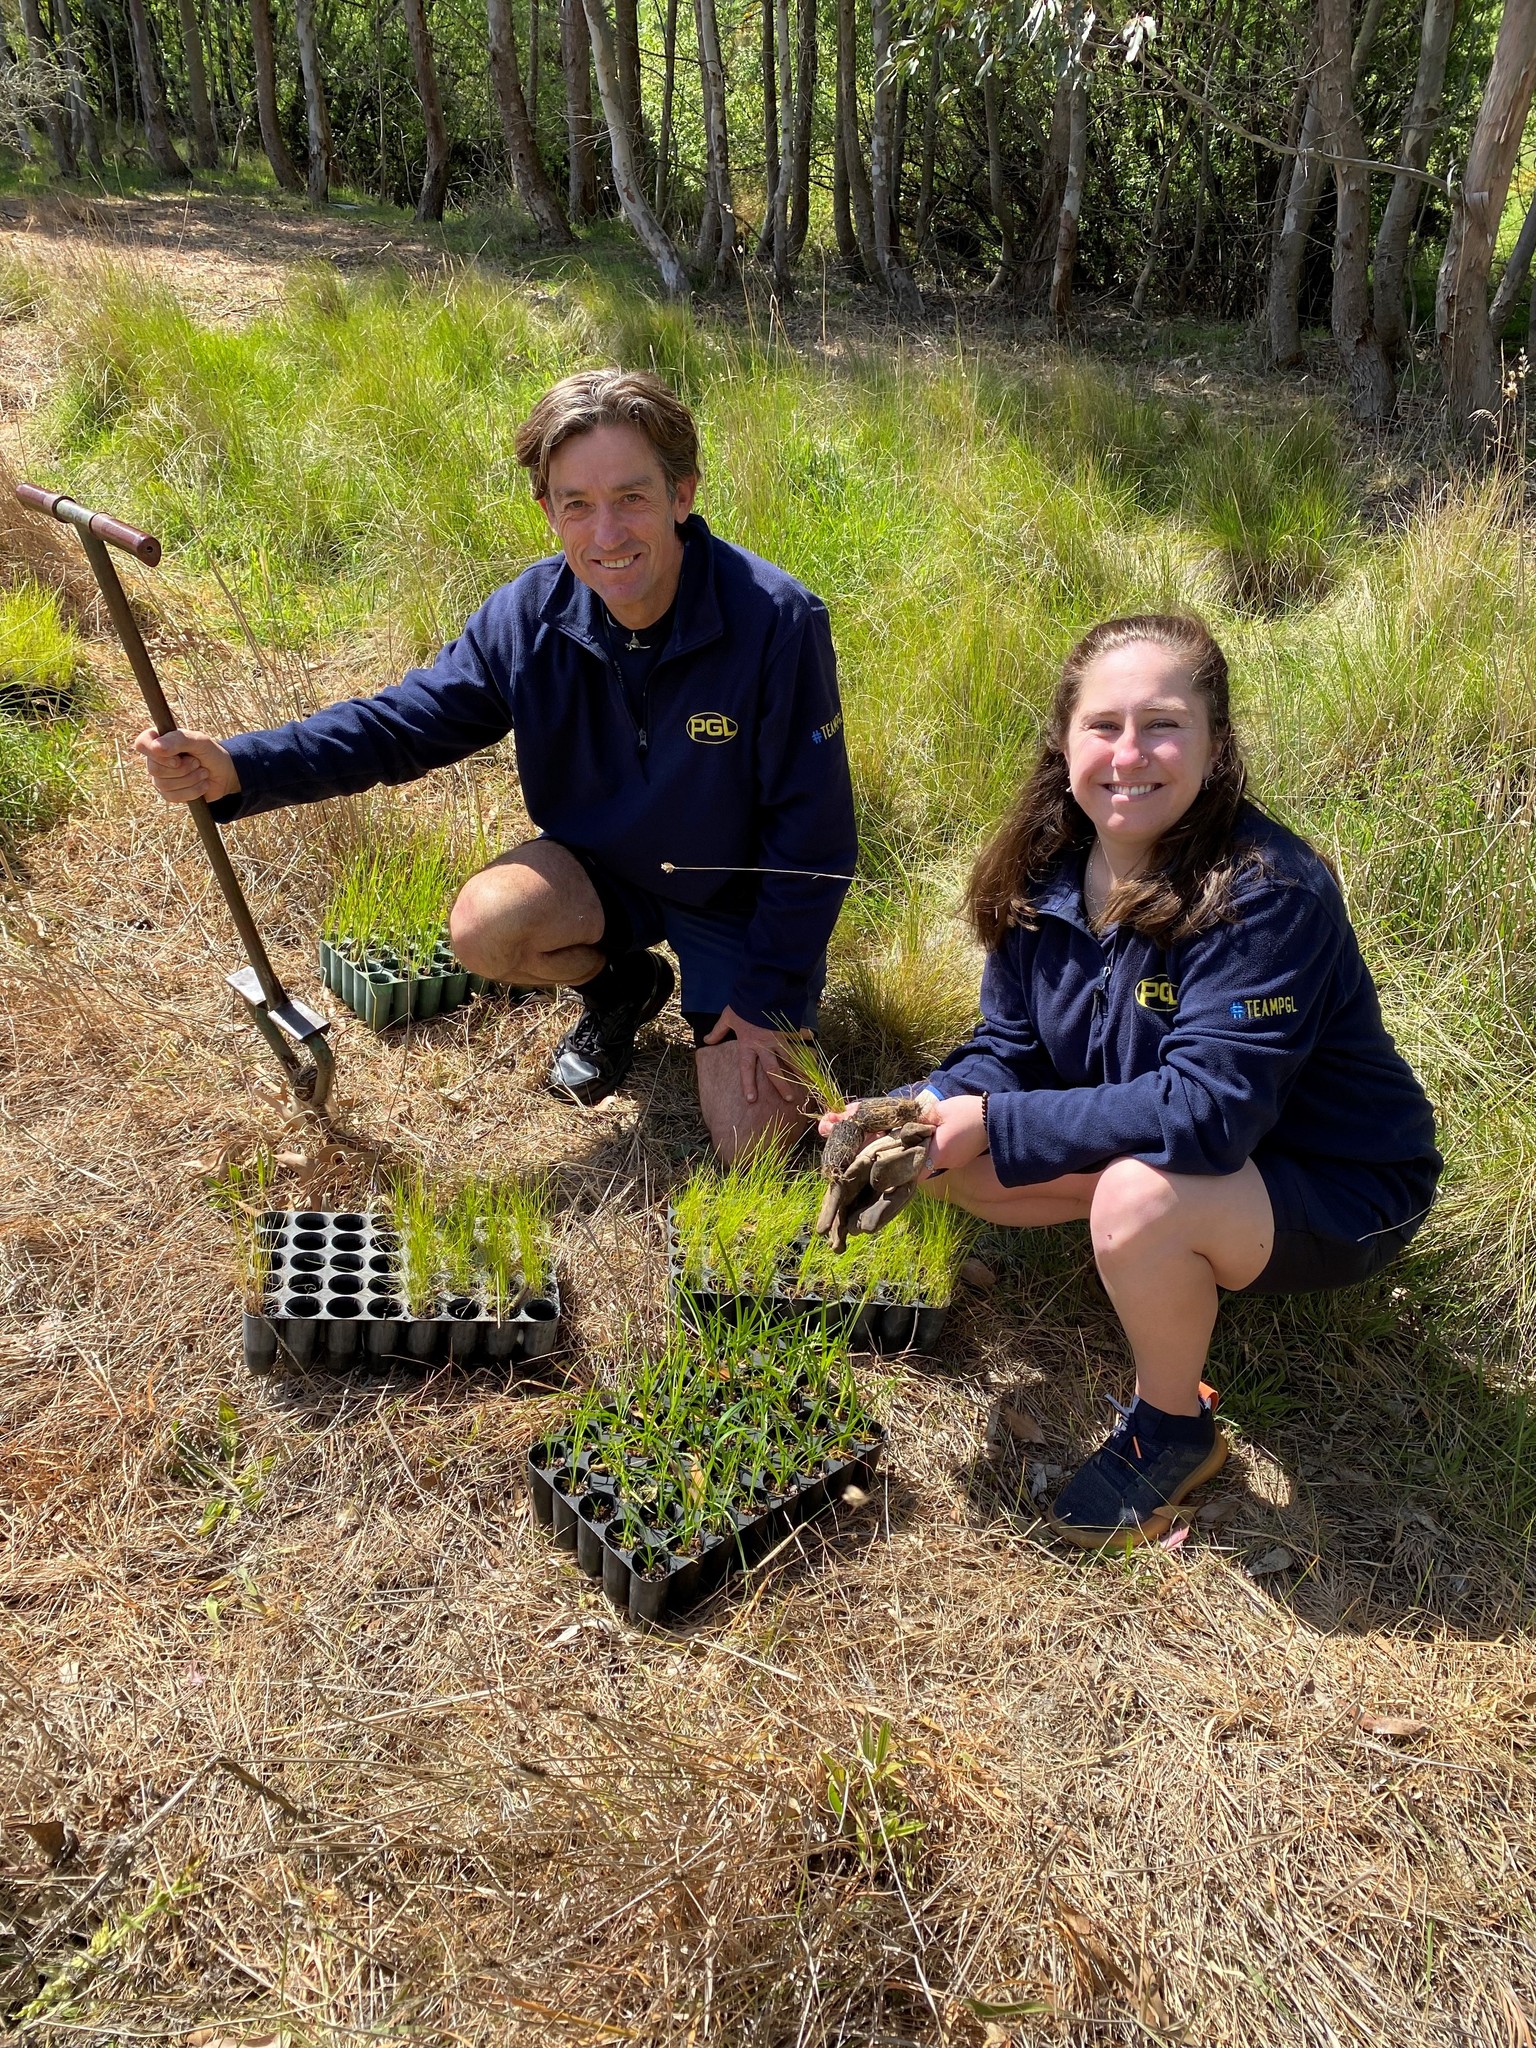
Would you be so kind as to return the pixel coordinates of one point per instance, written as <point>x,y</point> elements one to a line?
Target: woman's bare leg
<point>1164,1243</point>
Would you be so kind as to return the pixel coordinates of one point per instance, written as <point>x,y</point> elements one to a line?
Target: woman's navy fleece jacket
<point>1260,1035</point>
<point>738,759</point>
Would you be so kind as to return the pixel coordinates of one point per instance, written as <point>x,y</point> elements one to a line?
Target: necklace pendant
<point>634,643</point>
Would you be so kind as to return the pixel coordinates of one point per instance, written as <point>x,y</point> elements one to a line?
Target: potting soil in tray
<point>382,992</point>
<point>877,1322</point>
<point>653,1576</point>
<point>333,1291</point>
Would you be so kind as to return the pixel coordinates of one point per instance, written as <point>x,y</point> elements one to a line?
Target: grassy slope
<point>344,468</point>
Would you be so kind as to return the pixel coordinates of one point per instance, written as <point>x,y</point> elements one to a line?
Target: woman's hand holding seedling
<point>184,766</point>
<point>959,1131</point>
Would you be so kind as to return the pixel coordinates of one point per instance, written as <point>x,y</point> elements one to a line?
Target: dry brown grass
<point>336,1747</point>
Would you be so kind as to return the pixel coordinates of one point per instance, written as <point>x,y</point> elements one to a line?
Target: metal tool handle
<point>57,505</point>
<point>95,528</point>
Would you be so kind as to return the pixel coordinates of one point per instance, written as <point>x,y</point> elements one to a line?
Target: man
<point>673,704</point>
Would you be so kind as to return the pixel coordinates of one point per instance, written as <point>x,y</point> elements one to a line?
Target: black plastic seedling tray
<point>652,1578</point>
<point>332,1293</point>
<point>382,992</point>
<point>877,1322</point>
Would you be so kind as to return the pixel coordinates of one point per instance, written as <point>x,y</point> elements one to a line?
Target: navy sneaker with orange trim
<point>1128,1491</point>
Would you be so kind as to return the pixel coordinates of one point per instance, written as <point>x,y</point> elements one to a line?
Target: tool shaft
<point>165,721</point>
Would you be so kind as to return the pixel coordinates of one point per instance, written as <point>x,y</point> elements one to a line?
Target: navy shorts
<point>710,945</point>
<point>1337,1225</point>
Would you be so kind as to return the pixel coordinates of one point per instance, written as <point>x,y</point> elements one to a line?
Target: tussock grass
<point>40,664</point>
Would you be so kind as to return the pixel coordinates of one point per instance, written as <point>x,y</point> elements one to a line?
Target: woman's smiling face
<point>1138,746</point>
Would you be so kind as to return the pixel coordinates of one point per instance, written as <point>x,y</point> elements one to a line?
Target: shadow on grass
<point>1383,1479</point>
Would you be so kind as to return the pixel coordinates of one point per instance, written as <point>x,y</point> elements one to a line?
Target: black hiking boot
<point>595,1054</point>
<point>1126,1493</point>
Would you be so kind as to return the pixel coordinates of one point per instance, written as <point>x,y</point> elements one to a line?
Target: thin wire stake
<point>672,867</point>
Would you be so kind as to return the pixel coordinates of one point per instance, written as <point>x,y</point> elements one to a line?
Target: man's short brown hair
<point>609,398</point>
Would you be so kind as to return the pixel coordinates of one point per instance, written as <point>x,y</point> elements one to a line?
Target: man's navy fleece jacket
<point>1260,1034</point>
<point>738,758</point>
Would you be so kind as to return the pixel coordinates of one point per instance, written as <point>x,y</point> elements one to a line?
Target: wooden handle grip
<point>59,505</point>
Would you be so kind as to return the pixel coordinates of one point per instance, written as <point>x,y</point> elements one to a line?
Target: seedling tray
<point>652,1577</point>
<point>875,1322</point>
<point>333,1293</point>
<point>375,985</point>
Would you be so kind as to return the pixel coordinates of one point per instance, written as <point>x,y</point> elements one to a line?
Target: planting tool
<point>295,1032</point>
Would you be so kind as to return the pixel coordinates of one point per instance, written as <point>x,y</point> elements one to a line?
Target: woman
<point>1180,1044</point>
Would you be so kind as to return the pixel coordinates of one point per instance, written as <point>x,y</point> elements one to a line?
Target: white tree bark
<point>1469,351</point>
<point>1419,125</point>
<point>649,232</point>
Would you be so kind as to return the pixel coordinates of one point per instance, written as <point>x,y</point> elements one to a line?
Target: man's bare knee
<point>532,902</point>
<point>485,929</point>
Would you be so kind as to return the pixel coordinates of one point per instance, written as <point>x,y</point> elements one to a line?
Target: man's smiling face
<point>609,504</point>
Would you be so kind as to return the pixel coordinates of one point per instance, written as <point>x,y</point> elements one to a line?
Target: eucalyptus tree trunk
<point>626,35</point>
<point>1065,260</point>
<point>842,211</point>
<point>1005,278</point>
<point>533,66</point>
<point>860,204</point>
<point>805,108</point>
<point>1040,265</point>
<point>317,178</point>
<point>265,66</point>
<point>157,132</point>
<point>434,179</point>
<point>13,101</point>
<point>1516,271</point>
<point>581,147</point>
<point>205,142</point>
<point>770,88</point>
<point>648,230</point>
<point>1419,127</point>
<point>716,250</point>
<point>529,176</point>
<point>55,118</point>
<point>786,148</point>
<point>82,122</point>
<point>1372,386</point>
<point>1309,174</point>
<point>1154,236</point>
<point>931,142</point>
<point>668,91</point>
<point>1469,349</point>
<point>882,159</point>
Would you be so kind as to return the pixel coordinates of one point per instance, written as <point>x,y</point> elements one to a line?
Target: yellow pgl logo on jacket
<point>1158,994</point>
<point>711,728</point>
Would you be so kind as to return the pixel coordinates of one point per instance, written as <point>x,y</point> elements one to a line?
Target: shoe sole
<point>1157,1524</point>
<point>603,1089</point>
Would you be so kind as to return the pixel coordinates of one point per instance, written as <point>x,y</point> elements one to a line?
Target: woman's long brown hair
<point>1191,877</point>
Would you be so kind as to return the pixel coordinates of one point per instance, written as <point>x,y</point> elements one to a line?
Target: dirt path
<point>229,258</point>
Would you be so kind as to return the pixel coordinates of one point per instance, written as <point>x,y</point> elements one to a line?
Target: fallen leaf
<point>1216,1514</point>
<point>1276,1559</point>
<point>1020,1425</point>
<point>51,1836</point>
<point>1176,1538</point>
<point>978,1274</point>
<point>297,1160</point>
<point>1391,1724</point>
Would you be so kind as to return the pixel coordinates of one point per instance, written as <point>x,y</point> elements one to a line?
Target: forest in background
<point>1284,164</point>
